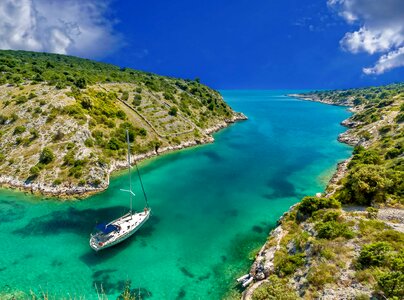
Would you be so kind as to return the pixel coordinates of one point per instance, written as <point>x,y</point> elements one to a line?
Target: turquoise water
<point>213,205</point>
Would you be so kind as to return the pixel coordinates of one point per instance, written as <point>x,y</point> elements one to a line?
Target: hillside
<point>63,120</point>
<point>349,242</point>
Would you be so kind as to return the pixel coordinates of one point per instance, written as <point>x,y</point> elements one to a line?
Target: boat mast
<point>130,179</point>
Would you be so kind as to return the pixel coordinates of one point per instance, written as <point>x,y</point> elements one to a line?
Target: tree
<point>46,156</point>
<point>34,171</point>
<point>309,205</point>
<point>125,96</point>
<point>366,183</point>
<point>173,111</point>
<point>137,100</point>
<point>81,83</point>
<point>19,130</point>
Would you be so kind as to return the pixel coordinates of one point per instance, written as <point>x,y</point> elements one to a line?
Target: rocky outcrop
<point>236,117</point>
<point>264,262</point>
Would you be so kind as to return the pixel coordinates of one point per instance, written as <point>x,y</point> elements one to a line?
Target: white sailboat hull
<point>127,224</point>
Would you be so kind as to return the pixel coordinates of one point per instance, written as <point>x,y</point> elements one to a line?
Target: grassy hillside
<point>63,119</point>
<point>348,243</point>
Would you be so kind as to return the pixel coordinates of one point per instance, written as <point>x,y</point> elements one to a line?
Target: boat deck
<point>127,225</point>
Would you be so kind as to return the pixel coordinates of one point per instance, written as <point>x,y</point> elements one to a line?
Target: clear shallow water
<point>213,205</point>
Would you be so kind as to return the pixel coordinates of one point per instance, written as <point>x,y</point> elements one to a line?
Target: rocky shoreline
<point>78,192</point>
<point>263,264</point>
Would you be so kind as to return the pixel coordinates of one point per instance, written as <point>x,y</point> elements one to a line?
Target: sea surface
<point>213,207</point>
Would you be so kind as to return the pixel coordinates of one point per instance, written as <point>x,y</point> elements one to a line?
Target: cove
<point>213,206</point>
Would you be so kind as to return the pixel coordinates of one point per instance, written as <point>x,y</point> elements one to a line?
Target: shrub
<point>288,264</point>
<point>400,118</point>
<point>21,100</point>
<point>394,237</point>
<point>137,99</point>
<point>368,157</point>
<point>121,114</point>
<point>46,156</point>
<point>372,212</point>
<point>59,135</point>
<point>57,181</point>
<point>168,96</point>
<point>392,284</point>
<point>34,171</point>
<point>309,205</point>
<point>89,142</point>
<point>19,130</point>
<point>392,153</point>
<point>366,183</point>
<point>69,159</point>
<point>320,275</point>
<point>173,111</point>
<point>76,171</point>
<point>114,144</point>
<point>276,288</point>
<point>81,83</point>
<point>86,103</point>
<point>34,134</point>
<point>397,261</point>
<point>327,215</point>
<point>373,255</point>
<point>385,129</point>
<point>70,145</point>
<point>362,297</point>
<point>125,96</point>
<point>370,228</point>
<point>96,182</point>
<point>332,229</point>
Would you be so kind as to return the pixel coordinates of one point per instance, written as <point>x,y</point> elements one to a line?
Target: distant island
<point>63,120</point>
<point>348,242</point>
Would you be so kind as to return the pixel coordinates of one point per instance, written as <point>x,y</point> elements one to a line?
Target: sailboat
<point>116,231</point>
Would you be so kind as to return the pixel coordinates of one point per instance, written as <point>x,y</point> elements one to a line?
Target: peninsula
<point>348,242</point>
<point>63,120</point>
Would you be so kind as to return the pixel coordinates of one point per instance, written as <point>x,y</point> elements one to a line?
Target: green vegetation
<point>322,274</point>
<point>62,71</point>
<point>46,156</point>
<point>309,205</point>
<point>80,109</point>
<point>331,247</point>
<point>275,289</point>
<point>288,264</point>
<point>333,229</point>
<point>373,254</point>
<point>19,130</point>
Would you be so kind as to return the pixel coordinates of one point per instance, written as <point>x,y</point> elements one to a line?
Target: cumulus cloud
<point>77,27</point>
<point>393,59</point>
<point>381,30</point>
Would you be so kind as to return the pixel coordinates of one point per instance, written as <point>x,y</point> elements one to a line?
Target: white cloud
<point>381,30</point>
<point>77,27</point>
<point>393,59</point>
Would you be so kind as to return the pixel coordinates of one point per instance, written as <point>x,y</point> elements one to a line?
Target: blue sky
<point>229,44</point>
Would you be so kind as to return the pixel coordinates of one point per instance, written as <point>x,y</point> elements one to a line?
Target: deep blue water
<point>213,206</point>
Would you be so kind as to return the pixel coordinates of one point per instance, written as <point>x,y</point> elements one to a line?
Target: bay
<point>213,207</point>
